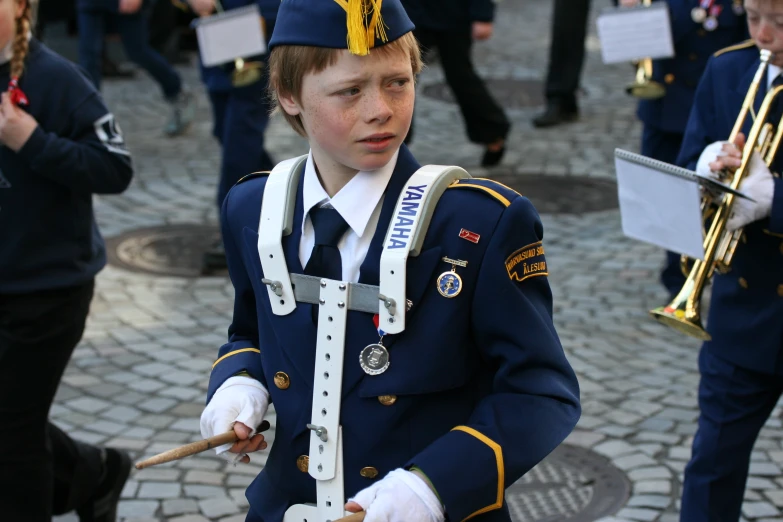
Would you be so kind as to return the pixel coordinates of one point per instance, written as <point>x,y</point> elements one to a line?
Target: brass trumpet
<point>644,86</point>
<point>684,312</point>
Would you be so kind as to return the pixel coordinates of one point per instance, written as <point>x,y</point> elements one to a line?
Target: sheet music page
<point>633,33</point>
<point>234,34</point>
<point>660,208</point>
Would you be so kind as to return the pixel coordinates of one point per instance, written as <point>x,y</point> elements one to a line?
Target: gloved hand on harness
<point>401,495</point>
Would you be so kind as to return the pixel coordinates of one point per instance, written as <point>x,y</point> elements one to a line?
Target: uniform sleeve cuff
<point>469,496</point>
<point>232,362</point>
<point>34,147</point>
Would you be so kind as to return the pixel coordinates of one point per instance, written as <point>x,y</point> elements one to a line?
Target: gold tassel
<point>361,34</point>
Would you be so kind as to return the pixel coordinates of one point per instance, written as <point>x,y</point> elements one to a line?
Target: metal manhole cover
<point>175,250</point>
<point>563,194</point>
<point>513,94</point>
<point>571,485</point>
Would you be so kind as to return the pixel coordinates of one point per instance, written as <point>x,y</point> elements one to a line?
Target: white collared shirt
<point>773,71</point>
<point>359,203</point>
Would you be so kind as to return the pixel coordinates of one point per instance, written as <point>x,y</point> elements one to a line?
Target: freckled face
<point>765,23</point>
<point>357,112</point>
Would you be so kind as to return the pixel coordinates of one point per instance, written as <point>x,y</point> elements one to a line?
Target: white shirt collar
<point>773,71</point>
<point>366,187</point>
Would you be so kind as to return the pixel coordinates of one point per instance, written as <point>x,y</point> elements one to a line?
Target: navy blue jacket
<point>219,78</point>
<point>746,314</point>
<point>693,45</point>
<point>449,15</point>
<point>48,235</point>
<point>481,376</point>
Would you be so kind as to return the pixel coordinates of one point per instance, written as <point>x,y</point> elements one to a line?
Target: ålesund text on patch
<point>527,262</point>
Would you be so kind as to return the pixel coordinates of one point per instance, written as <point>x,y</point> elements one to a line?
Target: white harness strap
<point>405,236</point>
<point>276,221</point>
<point>407,229</point>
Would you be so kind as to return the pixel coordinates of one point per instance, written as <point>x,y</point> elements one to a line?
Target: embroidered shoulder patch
<point>527,262</point>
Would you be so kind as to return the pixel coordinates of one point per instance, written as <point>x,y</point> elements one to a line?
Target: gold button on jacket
<point>743,282</point>
<point>387,400</point>
<point>369,472</point>
<point>303,463</point>
<point>669,78</point>
<point>780,290</point>
<point>282,380</point>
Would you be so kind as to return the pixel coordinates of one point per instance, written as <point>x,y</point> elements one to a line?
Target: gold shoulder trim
<point>736,47</point>
<point>235,352</point>
<point>773,234</point>
<point>254,175</point>
<point>467,183</point>
<point>494,446</point>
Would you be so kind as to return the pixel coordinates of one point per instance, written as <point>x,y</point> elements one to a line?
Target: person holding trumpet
<point>742,365</point>
<point>699,28</point>
<point>475,391</point>
<point>240,110</point>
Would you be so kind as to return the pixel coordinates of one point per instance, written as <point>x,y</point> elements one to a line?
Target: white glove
<point>400,496</point>
<point>239,399</point>
<point>759,185</point>
<point>711,153</point>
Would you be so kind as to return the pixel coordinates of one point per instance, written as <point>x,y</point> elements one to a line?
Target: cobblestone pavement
<point>138,378</point>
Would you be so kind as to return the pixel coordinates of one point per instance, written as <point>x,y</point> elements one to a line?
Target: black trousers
<point>567,50</point>
<point>42,470</point>
<point>485,120</point>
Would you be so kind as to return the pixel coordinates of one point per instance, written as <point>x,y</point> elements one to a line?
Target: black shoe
<point>214,259</point>
<point>556,113</point>
<point>112,70</point>
<point>492,157</point>
<point>102,506</point>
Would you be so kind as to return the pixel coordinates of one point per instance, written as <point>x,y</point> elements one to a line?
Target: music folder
<point>632,33</point>
<point>660,203</point>
<point>232,34</point>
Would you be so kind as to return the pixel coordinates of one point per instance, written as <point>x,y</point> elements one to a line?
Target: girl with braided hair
<point>59,145</point>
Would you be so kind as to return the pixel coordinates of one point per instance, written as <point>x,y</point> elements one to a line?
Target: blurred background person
<point>451,27</point>
<point>129,18</point>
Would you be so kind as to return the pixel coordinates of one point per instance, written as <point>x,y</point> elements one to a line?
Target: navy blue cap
<point>340,24</point>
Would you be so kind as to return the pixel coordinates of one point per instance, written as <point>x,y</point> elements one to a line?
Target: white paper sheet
<point>237,33</point>
<point>628,34</point>
<point>660,208</point>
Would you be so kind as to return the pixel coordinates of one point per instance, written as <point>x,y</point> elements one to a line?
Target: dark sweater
<point>48,235</point>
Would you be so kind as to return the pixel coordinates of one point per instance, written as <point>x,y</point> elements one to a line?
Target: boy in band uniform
<point>478,389</point>
<point>741,367</point>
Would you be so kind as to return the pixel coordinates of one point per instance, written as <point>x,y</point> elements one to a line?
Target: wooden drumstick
<point>195,447</point>
<point>356,517</point>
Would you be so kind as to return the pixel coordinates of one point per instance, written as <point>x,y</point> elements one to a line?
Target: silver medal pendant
<point>711,23</point>
<point>698,14</point>
<point>374,359</point>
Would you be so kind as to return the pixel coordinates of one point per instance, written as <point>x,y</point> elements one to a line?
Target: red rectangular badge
<point>470,236</point>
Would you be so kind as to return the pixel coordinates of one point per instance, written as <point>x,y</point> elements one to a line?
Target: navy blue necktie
<point>325,260</point>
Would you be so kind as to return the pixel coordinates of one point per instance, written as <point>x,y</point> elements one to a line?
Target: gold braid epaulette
<point>254,175</point>
<point>497,190</point>
<point>736,47</point>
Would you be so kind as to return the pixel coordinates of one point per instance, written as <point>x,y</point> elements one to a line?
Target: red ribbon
<point>18,97</point>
